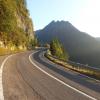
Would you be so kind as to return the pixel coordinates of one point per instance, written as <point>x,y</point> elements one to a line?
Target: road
<point>31,76</point>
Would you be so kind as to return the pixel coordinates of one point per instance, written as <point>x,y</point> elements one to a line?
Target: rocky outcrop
<point>22,17</point>
<point>16,26</point>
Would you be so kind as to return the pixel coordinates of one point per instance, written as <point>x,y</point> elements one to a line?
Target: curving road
<point>31,76</point>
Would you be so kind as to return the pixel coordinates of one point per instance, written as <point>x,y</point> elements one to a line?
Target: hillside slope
<point>15,24</point>
<point>81,47</point>
<point>98,38</point>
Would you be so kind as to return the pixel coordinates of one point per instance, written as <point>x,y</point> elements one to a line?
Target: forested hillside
<point>16,29</point>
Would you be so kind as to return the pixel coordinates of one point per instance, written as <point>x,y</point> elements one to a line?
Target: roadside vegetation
<point>6,51</point>
<point>57,55</point>
<point>16,32</point>
<point>57,50</point>
<point>84,70</point>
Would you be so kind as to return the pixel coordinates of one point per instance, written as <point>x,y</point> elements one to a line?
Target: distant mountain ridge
<point>81,47</point>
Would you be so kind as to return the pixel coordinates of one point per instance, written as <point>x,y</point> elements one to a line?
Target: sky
<point>83,14</point>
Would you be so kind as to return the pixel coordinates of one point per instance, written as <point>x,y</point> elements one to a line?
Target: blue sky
<point>83,14</point>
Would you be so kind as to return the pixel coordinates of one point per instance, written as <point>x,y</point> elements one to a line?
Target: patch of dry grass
<point>6,51</point>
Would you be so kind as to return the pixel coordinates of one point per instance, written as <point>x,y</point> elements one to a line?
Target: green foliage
<point>33,43</point>
<point>17,38</point>
<point>57,50</point>
<point>12,12</point>
<point>7,18</point>
<point>3,37</point>
<point>91,72</point>
<point>21,7</point>
<point>36,42</point>
<point>20,37</point>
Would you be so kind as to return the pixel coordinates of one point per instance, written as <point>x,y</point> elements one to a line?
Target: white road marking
<point>1,71</point>
<point>92,98</point>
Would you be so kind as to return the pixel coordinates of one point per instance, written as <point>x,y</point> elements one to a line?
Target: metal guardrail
<point>82,65</point>
<point>81,68</point>
<point>77,64</point>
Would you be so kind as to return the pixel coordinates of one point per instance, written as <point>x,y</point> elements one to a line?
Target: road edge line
<point>1,78</point>
<point>59,79</point>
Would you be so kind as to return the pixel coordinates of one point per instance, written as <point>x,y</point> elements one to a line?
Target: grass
<point>6,51</point>
<point>94,73</point>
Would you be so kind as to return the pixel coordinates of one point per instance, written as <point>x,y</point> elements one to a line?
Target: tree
<point>36,42</point>
<point>57,50</point>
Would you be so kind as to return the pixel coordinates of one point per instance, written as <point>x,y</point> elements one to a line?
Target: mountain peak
<point>80,46</point>
<point>64,25</point>
<point>59,22</point>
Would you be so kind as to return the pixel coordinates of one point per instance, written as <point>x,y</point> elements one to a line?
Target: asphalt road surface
<point>31,76</point>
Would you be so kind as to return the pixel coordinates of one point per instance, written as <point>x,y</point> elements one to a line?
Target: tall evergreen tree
<point>57,50</point>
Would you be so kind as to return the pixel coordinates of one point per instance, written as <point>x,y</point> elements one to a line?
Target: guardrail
<point>82,65</point>
<point>89,71</point>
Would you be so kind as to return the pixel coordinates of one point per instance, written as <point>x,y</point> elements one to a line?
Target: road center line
<point>92,98</point>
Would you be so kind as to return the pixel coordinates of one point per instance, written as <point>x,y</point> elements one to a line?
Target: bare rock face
<point>25,24</point>
<point>23,20</point>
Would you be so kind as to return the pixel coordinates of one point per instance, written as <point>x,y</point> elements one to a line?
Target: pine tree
<point>57,50</point>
